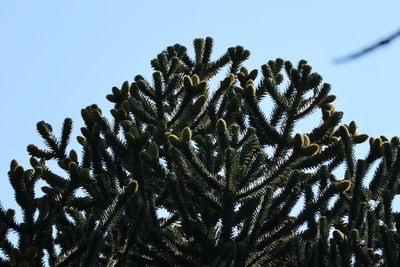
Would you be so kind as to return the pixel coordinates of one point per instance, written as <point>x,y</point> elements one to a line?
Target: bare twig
<point>369,48</point>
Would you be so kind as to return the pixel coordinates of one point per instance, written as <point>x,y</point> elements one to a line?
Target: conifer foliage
<point>227,175</point>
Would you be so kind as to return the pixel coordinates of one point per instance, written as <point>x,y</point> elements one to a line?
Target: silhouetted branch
<point>369,48</point>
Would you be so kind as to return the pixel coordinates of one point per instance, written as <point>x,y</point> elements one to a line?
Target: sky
<point>57,57</point>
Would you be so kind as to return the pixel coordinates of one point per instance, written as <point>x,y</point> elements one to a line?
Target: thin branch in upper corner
<point>368,49</point>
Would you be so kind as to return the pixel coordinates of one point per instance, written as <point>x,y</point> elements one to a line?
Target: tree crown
<point>228,176</point>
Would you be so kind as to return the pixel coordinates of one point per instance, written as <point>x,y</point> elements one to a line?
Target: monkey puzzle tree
<point>227,176</point>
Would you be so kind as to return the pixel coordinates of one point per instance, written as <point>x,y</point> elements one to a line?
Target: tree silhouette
<point>227,176</point>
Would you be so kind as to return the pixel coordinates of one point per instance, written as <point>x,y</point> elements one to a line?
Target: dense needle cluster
<point>226,175</point>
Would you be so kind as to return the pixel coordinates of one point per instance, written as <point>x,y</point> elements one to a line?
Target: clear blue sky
<point>57,57</point>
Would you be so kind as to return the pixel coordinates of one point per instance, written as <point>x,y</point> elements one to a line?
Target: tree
<point>227,175</point>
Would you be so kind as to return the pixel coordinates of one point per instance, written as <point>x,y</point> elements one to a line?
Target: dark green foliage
<point>228,175</point>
